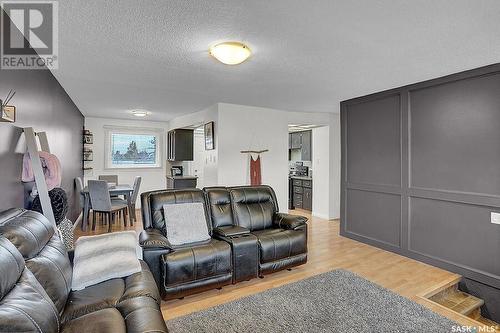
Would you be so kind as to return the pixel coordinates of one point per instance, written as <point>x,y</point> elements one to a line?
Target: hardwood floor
<point>327,251</point>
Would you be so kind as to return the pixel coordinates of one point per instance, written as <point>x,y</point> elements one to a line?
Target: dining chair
<point>109,178</point>
<point>81,199</point>
<point>133,200</point>
<point>102,205</point>
<point>79,189</point>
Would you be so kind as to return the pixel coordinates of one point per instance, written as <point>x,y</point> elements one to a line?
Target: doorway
<point>308,168</point>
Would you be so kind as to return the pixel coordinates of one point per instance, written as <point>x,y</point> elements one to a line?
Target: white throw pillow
<point>185,223</point>
<point>104,257</point>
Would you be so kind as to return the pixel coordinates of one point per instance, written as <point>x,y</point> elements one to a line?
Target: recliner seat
<point>130,304</point>
<point>187,269</point>
<point>282,238</point>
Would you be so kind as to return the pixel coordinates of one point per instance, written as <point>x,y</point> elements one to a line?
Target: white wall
<point>335,165</point>
<point>152,179</point>
<point>321,171</point>
<point>247,127</point>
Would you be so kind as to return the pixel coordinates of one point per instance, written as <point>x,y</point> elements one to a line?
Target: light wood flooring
<point>327,251</point>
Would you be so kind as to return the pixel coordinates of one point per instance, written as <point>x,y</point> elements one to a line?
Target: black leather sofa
<point>250,238</point>
<point>35,283</point>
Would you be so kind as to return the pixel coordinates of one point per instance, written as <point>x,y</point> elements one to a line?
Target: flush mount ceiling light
<point>230,53</point>
<point>140,113</point>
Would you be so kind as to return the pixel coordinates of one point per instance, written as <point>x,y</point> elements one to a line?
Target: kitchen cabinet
<point>306,146</point>
<point>307,199</point>
<point>302,141</point>
<point>180,145</point>
<point>296,140</point>
<point>301,193</point>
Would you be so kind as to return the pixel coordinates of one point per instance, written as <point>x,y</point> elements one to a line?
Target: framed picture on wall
<point>88,139</point>
<point>209,136</point>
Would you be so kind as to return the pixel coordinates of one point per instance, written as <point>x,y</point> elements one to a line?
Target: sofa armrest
<point>231,230</point>
<point>288,221</point>
<point>154,245</point>
<point>153,239</point>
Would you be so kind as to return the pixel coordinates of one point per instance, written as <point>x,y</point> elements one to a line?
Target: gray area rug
<point>337,301</point>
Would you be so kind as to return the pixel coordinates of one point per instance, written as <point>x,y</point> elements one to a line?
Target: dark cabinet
<point>296,140</point>
<point>301,193</point>
<point>302,141</point>
<point>181,182</point>
<point>306,145</point>
<point>180,145</point>
<point>307,199</point>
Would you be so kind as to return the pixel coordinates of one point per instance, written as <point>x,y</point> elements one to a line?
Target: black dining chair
<point>102,205</point>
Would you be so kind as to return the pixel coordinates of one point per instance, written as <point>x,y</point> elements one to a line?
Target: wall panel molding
<point>448,158</point>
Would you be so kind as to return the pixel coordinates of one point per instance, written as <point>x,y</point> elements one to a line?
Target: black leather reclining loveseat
<point>35,286</point>
<point>249,238</point>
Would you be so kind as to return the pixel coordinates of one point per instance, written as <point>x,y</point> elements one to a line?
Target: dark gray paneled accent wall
<point>43,104</point>
<point>421,171</point>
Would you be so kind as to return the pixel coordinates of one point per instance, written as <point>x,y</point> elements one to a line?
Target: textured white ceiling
<point>308,55</point>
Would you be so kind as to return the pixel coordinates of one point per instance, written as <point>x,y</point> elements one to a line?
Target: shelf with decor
<point>88,153</point>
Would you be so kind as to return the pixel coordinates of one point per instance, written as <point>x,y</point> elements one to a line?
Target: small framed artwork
<point>88,139</point>
<point>88,156</point>
<point>209,136</point>
<point>8,113</point>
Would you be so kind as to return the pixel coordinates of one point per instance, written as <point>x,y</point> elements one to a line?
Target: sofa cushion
<point>219,206</point>
<point>276,245</point>
<point>142,314</point>
<point>105,320</point>
<point>110,293</point>
<point>103,257</point>
<point>195,263</point>
<point>29,231</point>
<point>24,305</point>
<point>44,252</point>
<point>185,223</point>
<point>253,207</point>
<point>152,204</point>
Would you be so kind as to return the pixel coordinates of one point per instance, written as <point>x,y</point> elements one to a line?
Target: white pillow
<point>185,223</point>
<point>104,257</point>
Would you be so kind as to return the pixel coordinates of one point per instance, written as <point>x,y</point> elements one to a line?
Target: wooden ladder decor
<point>36,164</point>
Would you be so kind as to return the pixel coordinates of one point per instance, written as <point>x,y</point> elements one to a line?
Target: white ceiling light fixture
<point>230,53</point>
<point>140,113</point>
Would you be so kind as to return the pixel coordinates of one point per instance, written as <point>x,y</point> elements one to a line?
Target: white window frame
<point>158,133</point>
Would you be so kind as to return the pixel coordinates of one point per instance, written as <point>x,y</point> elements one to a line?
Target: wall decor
<point>209,136</point>
<point>88,138</point>
<point>8,112</point>
<point>88,155</point>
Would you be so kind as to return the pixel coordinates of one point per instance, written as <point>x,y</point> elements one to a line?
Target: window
<point>128,148</point>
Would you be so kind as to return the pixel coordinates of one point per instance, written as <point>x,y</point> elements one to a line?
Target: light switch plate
<point>495,218</point>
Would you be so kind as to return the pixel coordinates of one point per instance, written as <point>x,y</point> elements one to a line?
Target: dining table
<point>114,190</point>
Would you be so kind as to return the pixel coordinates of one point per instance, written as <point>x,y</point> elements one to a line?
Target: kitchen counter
<point>301,177</point>
<point>180,182</point>
<point>182,177</point>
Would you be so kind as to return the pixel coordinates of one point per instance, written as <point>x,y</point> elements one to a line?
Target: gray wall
<point>421,171</point>
<point>43,104</point>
